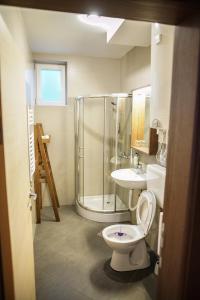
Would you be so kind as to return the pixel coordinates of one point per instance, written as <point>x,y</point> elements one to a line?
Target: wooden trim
<point>1,279</point>
<point>152,149</point>
<point>192,260</point>
<point>5,243</point>
<point>153,141</point>
<point>168,12</point>
<point>179,279</point>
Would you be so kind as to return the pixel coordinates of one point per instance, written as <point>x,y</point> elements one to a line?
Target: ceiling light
<point>94,20</point>
<point>93,14</point>
<point>109,25</point>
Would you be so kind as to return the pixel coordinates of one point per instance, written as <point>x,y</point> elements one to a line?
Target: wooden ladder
<point>43,172</point>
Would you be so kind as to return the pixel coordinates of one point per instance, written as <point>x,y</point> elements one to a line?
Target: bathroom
<point>115,115</point>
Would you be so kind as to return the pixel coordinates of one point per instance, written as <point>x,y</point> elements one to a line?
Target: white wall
<point>136,69</point>
<point>153,65</point>
<point>139,67</point>
<point>14,58</point>
<point>86,76</point>
<point>161,74</point>
<point>136,73</point>
<point>161,78</point>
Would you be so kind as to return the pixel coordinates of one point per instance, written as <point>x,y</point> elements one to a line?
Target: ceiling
<point>65,33</point>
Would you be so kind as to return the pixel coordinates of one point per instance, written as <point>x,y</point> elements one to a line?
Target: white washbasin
<point>130,179</point>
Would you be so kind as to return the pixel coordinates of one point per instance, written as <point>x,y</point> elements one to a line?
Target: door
<point>180,256</point>
<point>15,176</point>
<point>6,268</point>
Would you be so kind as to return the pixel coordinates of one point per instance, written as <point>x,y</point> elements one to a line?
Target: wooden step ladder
<point>43,172</point>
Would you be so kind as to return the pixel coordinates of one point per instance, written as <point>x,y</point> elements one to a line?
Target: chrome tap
<point>141,169</point>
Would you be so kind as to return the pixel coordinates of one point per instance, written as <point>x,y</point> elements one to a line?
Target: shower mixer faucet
<point>124,155</point>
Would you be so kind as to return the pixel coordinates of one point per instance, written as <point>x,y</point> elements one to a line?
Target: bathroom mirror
<point>143,138</point>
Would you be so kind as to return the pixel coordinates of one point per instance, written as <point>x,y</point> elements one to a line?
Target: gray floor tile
<point>69,260</point>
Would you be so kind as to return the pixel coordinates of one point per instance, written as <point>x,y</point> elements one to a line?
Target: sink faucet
<point>141,168</point>
<point>137,165</point>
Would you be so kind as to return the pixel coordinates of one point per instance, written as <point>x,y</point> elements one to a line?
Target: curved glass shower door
<point>93,153</point>
<point>103,134</point>
<point>79,148</point>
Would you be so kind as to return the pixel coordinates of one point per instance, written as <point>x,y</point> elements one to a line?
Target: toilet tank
<point>156,182</point>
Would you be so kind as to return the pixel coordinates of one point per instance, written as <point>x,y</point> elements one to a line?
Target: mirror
<point>143,138</point>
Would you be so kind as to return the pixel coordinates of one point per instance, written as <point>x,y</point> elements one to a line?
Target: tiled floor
<point>69,259</point>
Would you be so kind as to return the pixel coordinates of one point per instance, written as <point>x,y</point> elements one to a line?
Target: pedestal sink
<point>130,179</point>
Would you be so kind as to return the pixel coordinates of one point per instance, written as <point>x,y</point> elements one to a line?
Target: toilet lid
<point>146,209</point>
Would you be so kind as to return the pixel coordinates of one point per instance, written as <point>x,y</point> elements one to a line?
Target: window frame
<point>62,66</point>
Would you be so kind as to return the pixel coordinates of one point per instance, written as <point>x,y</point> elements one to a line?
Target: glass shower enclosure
<point>103,141</point>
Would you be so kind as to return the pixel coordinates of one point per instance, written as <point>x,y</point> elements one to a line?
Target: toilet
<point>128,241</point>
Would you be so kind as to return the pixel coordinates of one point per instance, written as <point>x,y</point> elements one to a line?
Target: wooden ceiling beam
<point>151,11</point>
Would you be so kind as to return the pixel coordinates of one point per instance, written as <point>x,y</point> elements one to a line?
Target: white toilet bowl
<point>128,241</point>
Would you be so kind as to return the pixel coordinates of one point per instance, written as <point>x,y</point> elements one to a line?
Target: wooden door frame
<point>178,279</point>
<point>5,242</point>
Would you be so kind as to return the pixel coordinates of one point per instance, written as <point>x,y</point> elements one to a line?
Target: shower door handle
<point>81,152</point>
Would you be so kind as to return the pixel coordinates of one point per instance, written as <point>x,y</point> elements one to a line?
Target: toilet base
<point>137,258</point>
<point>121,262</point>
<point>131,276</point>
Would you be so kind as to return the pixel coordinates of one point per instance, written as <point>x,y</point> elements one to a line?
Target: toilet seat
<point>146,209</point>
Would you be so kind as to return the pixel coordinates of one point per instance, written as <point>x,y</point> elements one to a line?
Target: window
<point>51,84</point>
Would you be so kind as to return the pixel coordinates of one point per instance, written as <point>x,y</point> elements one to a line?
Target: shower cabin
<point>103,143</point>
